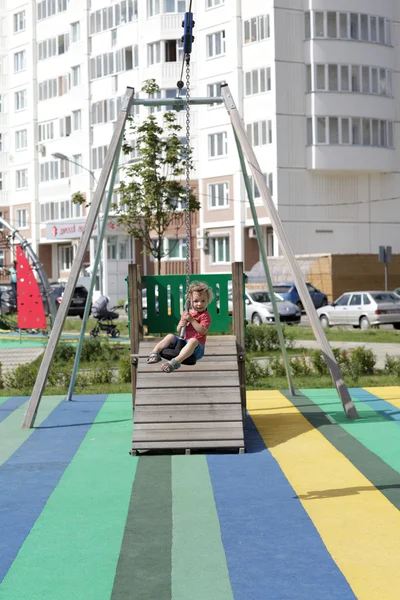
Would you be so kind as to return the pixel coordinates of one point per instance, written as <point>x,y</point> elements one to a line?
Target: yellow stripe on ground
<point>358,525</point>
<point>390,394</point>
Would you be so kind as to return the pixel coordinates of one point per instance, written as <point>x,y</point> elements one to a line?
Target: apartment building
<point>316,82</point>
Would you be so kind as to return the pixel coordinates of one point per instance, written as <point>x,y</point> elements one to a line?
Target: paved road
<point>10,358</point>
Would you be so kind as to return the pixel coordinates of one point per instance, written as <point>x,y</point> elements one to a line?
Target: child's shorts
<point>199,350</point>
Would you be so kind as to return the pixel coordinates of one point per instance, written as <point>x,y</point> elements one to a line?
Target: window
<point>107,18</point>
<point>256,29</point>
<point>21,179</point>
<point>1,251</point>
<point>1,142</point>
<point>214,3</point>
<point>20,100</point>
<point>67,257</point>
<point>46,131</point>
<point>76,120</point>
<point>343,300</point>
<point>1,187</point>
<point>77,158</point>
<point>321,84</point>
<point>98,156</point>
<point>217,144</point>
<point>333,78</point>
<point>332,24</point>
<point>19,21</point>
<point>268,177</point>
<point>105,111</point>
<point>49,89</point>
<point>350,130</point>
<point>344,78</point>
<point>113,62</point>
<point>21,139</point>
<point>354,78</point>
<point>19,61</point>
<point>153,7</point>
<point>348,26</point>
<point>220,250</point>
<point>215,44</point>
<point>75,32</point>
<point>48,8</point>
<point>154,53</point>
<point>123,248</point>
<point>259,133</point>
<point>257,81</point>
<point>76,76</point>
<point>173,50</point>
<point>176,249</point>
<point>366,300</point>
<point>22,218</point>
<point>112,244</point>
<point>218,195</point>
<point>214,91</point>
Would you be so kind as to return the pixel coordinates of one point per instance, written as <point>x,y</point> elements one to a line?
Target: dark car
<point>289,292</point>
<point>78,302</point>
<point>8,303</point>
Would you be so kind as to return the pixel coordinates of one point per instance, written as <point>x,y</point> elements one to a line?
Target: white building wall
<point>331,198</point>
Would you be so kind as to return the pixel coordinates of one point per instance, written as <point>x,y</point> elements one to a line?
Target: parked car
<point>78,302</point>
<point>7,299</point>
<point>397,291</point>
<point>362,309</point>
<point>289,292</point>
<point>259,309</point>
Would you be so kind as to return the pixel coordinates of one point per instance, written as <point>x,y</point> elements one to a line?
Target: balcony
<point>168,73</point>
<point>351,158</point>
<point>162,26</point>
<point>4,199</point>
<point>4,159</point>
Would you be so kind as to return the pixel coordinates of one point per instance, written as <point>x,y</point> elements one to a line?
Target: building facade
<point>316,82</point>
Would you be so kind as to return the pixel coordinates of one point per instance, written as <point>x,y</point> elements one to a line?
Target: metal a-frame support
<point>55,334</point>
<point>306,300</point>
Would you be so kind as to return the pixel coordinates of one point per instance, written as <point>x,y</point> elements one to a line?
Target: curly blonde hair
<point>200,287</point>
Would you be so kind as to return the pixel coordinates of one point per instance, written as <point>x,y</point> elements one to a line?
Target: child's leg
<point>187,350</point>
<point>164,343</point>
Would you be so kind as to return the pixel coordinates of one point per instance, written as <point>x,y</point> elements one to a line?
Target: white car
<point>259,308</point>
<point>363,310</point>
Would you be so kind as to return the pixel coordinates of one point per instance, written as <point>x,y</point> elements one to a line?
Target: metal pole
<point>266,268</point>
<point>62,312</point>
<point>305,297</point>
<point>101,233</point>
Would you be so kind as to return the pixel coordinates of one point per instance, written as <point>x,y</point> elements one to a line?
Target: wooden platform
<point>197,407</point>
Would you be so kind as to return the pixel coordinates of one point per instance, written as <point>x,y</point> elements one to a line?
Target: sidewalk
<point>380,350</point>
<point>11,358</point>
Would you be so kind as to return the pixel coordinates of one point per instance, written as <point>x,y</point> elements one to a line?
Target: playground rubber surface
<point>310,512</point>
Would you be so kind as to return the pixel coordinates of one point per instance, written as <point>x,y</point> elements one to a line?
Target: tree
<point>152,190</point>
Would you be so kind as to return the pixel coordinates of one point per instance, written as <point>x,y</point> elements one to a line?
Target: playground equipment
<point>199,407</point>
<point>37,265</point>
<point>244,147</point>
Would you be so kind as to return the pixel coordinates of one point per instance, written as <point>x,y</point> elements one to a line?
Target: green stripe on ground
<point>381,475</point>
<point>144,566</point>
<point>73,548</point>
<point>4,399</point>
<point>375,431</point>
<point>199,568</point>
<point>11,434</point>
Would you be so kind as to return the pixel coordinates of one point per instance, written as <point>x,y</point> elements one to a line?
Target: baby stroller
<point>104,318</point>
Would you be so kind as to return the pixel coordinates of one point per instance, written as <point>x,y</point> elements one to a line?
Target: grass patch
<point>110,388</point>
<point>384,336</point>
<point>317,382</point>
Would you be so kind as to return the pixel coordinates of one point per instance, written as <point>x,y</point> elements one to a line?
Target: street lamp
<point>61,156</point>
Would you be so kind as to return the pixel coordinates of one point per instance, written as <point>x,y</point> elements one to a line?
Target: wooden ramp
<point>198,407</point>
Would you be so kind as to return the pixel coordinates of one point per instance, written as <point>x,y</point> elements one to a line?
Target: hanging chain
<point>188,189</point>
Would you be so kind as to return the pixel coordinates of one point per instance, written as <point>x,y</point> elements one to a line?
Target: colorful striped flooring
<point>310,512</point>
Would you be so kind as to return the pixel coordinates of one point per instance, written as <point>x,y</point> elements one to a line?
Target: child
<point>197,322</point>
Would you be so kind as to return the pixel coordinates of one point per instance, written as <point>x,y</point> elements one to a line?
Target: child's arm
<point>199,328</point>
<point>182,323</point>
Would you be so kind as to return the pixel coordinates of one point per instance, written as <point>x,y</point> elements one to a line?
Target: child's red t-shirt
<point>204,319</point>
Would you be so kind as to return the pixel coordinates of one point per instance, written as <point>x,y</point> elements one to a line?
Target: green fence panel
<point>166,299</point>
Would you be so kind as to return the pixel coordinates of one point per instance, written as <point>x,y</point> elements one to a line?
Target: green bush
<point>392,365</point>
<point>101,375</point>
<point>362,361</point>
<point>343,360</point>
<point>265,338</point>
<point>65,352</point>
<point>22,377</point>
<point>318,363</point>
<point>92,350</point>
<point>276,367</point>
<point>125,369</point>
<point>254,371</point>
<point>300,365</point>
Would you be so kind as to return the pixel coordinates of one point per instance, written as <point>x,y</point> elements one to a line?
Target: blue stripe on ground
<point>382,406</point>
<point>272,548</point>
<point>10,405</point>
<point>30,475</point>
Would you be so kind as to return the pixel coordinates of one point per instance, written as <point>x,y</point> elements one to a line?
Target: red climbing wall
<point>29,299</point>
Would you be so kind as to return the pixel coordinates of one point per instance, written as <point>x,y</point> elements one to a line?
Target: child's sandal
<point>154,358</point>
<point>170,366</point>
